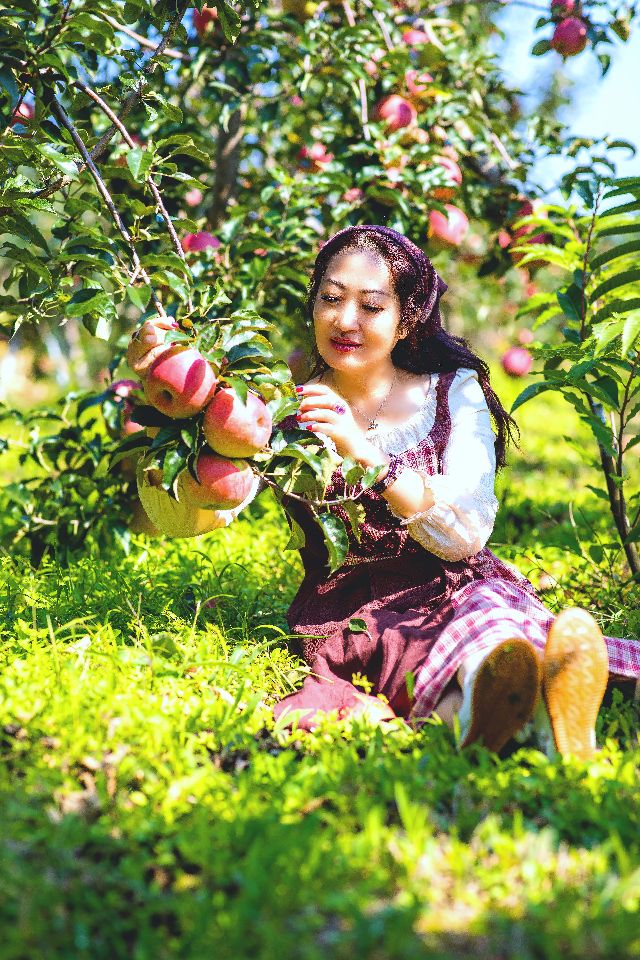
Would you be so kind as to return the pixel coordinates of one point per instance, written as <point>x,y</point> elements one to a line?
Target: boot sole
<point>575,670</point>
<point>504,694</point>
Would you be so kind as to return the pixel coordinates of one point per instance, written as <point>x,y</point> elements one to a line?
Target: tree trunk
<point>228,155</point>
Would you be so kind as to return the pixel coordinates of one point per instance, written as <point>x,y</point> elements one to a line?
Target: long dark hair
<point>427,347</point>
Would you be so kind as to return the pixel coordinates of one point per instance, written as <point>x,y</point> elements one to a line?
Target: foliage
<point>151,807</point>
<point>96,173</point>
<point>594,361</point>
<point>62,496</point>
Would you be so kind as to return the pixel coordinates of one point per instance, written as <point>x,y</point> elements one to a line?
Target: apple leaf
<point>335,538</point>
<point>297,539</point>
<point>358,625</point>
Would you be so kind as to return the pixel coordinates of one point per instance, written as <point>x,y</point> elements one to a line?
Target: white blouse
<point>460,521</point>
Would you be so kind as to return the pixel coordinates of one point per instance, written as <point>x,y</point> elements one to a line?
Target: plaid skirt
<point>411,652</point>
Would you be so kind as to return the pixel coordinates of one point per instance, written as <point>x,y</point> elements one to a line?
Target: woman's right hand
<point>147,343</point>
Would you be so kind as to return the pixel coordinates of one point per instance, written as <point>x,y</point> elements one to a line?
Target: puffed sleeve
<point>460,521</point>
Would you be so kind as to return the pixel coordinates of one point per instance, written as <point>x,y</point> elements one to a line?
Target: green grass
<point>151,809</point>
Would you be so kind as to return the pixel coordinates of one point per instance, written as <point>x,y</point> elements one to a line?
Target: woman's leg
<point>489,614</point>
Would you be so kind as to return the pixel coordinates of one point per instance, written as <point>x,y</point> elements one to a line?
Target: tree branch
<point>143,41</point>
<point>148,181</point>
<point>106,196</point>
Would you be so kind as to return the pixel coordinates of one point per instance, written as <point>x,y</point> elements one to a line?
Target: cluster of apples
<point>570,32</point>
<point>179,382</point>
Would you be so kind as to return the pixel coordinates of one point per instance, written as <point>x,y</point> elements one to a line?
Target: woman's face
<point>356,314</point>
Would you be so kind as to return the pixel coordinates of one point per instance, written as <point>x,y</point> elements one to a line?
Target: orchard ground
<point>152,810</point>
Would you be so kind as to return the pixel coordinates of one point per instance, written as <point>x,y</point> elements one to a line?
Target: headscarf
<point>432,285</point>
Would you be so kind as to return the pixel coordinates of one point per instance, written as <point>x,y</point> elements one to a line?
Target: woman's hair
<point>422,350</point>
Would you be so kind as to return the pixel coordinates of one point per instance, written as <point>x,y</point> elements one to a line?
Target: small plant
<point>594,360</point>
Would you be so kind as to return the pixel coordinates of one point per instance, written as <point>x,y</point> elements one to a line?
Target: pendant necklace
<point>373,423</point>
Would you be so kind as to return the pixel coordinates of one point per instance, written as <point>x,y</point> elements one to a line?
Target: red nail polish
<point>299,389</point>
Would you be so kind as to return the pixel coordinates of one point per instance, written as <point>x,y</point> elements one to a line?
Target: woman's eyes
<point>366,306</point>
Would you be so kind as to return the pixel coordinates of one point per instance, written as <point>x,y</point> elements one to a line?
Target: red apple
<point>202,19</point>
<point>450,230</point>
<point>24,112</point>
<point>560,9</point>
<point>352,195</point>
<point>193,197</point>
<point>180,382</point>
<point>395,111</point>
<point>417,82</point>
<point>233,429</point>
<point>120,390</point>
<point>523,234</point>
<point>314,158</point>
<point>296,100</point>
<point>525,336</point>
<point>570,37</point>
<point>517,362</point>
<point>415,38</point>
<point>147,344</point>
<point>224,484</point>
<point>454,175</point>
<point>194,242</point>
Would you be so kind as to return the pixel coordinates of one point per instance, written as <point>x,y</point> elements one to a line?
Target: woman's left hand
<point>324,411</point>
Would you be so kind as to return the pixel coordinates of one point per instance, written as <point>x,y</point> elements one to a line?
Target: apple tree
<point>180,166</point>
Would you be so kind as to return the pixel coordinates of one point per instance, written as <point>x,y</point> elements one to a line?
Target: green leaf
<point>529,392</point>
<point>335,538</point>
<point>358,625</point>
<point>631,331</point>
<point>297,539</point>
<point>617,251</point>
<point>139,296</point>
<point>63,163</point>
<point>139,161</point>
<point>356,515</point>
<point>174,462</point>
<point>86,301</point>
<point>612,283</point>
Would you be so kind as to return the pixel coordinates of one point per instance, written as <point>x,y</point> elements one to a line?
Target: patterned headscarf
<point>432,285</point>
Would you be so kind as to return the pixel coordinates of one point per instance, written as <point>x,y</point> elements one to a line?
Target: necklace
<point>373,423</point>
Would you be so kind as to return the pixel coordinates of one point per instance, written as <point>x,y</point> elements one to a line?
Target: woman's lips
<point>344,346</point>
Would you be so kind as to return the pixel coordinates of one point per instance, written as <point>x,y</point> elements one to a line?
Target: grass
<point>152,809</point>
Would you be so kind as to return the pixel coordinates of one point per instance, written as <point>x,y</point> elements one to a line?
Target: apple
<point>352,195</point>
<point>314,158</point>
<point>415,38</point>
<point>560,9</point>
<point>121,389</point>
<point>525,336</point>
<point>570,37</point>
<point>396,112</point>
<point>450,229</point>
<point>202,19</point>
<point>147,344</point>
<point>180,382</point>
<point>194,242</point>
<point>454,174</point>
<point>223,484</point>
<point>233,429</point>
<point>417,82</point>
<point>193,197</point>
<point>24,112</point>
<point>517,362</point>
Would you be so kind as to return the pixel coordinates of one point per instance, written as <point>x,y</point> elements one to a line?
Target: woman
<point>450,628</point>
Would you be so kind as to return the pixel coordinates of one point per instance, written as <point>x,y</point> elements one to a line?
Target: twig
<point>351,20</point>
<point>150,183</point>
<point>314,503</point>
<point>106,196</point>
<point>143,41</point>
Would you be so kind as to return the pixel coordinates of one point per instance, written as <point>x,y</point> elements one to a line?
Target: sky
<point>600,105</point>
